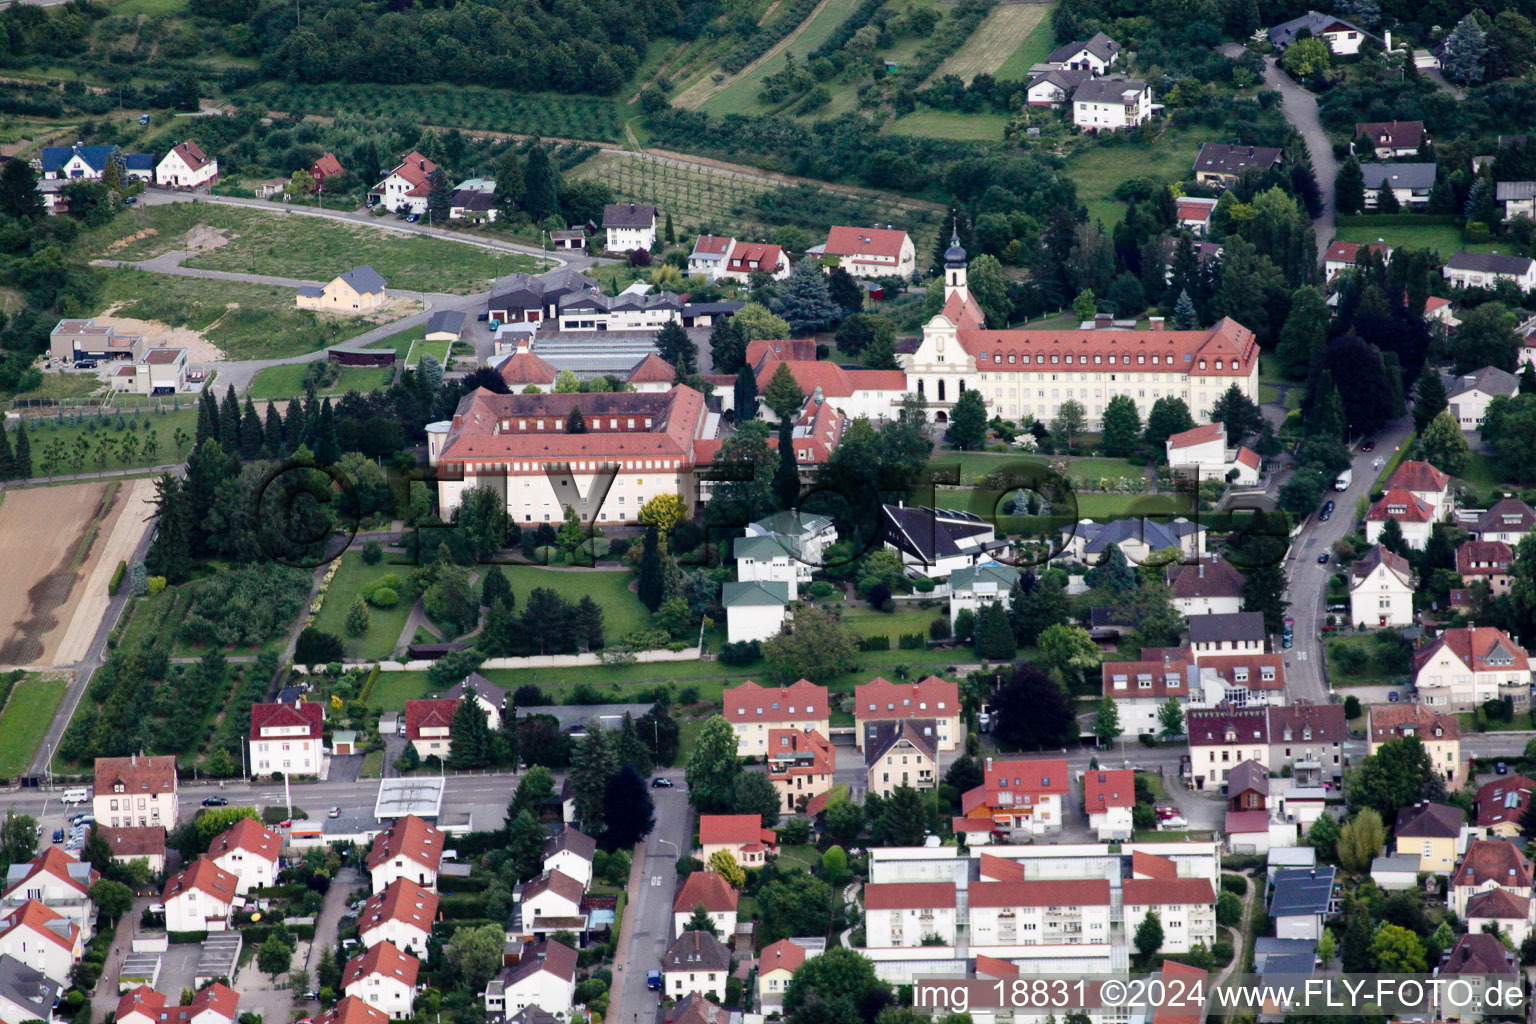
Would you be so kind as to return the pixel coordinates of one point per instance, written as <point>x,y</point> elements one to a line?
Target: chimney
<point>1156,322</point>
<point>989,764</point>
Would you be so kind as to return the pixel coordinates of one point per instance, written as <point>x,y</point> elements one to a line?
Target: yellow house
<point>777,964</point>
<point>1429,832</point>
<point>360,288</point>
<point>1440,734</point>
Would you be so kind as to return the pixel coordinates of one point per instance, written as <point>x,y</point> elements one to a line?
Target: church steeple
<point>954,264</point>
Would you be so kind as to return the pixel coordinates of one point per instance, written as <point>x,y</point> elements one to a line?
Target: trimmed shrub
<point>384,597</point>
<point>117,578</point>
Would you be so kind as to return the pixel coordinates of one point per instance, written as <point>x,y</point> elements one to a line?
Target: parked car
<point>1367,446</point>
<point>1392,696</point>
<point>413,218</point>
<point>1324,516</point>
<point>143,119</point>
<point>1165,812</point>
<point>1286,641</point>
<point>58,835</point>
<point>1175,822</point>
<point>662,783</point>
<point>1501,768</point>
<point>483,317</point>
<point>130,200</point>
<point>1322,559</point>
<point>334,812</point>
<point>215,801</point>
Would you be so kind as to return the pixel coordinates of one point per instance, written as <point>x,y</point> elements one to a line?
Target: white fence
<point>543,661</point>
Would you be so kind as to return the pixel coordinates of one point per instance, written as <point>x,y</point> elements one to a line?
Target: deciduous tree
<point>713,768</point>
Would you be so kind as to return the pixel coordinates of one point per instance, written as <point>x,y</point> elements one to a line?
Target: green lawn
<point>1099,166</point>
<point>288,381</point>
<point>310,248</point>
<point>622,611</point>
<point>401,340</point>
<point>438,349</point>
<point>1033,50</point>
<point>945,124</point>
<point>62,437</point>
<point>975,465</point>
<point>384,624</point>
<point>245,321</point>
<point>1443,238</point>
<point>1481,473</point>
<point>865,621</point>
<point>25,719</point>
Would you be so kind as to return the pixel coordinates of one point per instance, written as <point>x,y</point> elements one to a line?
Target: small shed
<point>1396,873</point>
<point>361,356</point>
<point>344,743</point>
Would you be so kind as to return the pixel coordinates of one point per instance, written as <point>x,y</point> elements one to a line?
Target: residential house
<point>1248,787</point>
<point>1342,256</point>
<point>900,914</point>
<point>763,559</point>
<point>325,167</point>
<point>74,339</point>
<point>800,766</point>
<point>44,940</point>
<point>900,753</point>
<point>1501,803</point>
<point>934,542</point>
<point>1414,517</point>
<point>754,711</point>
<point>1430,832</point>
<point>571,852</point>
<point>384,978</point>
<point>1039,912</point>
<point>748,258</point>
<point>695,962</point>
<point>1381,589</point>
<point>1108,797</point>
<point>804,535</point>
<point>488,697</point>
<point>1468,665</point>
<point>1470,394</point>
<point>215,1004</point>
<point>1204,586</point>
<point>1185,906</point>
<point>551,896</point>
<point>1440,733</point>
<point>25,994</point>
<point>1141,688</point>
<point>695,1008</point>
<point>186,166</point>
<point>135,790</point>
<point>160,371</point>
<point>1342,37</point>
<point>636,308</point>
<point>200,898</point>
<point>975,587</point>
<point>740,835</point>
<point>710,255</point>
<point>652,375</point>
<point>1111,103</point>
<point>473,204</point>
<point>359,289</point>
<point>1222,738</point>
<point>1310,738</point>
<point>708,890</point>
<point>1500,911</point>
<point>932,698</point>
<point>1425,482</point>
<point>410,848</point>
<point>1142,541</point>
<point>1299,901</point>
<point>271,188</point>
<point>1235,633</point>
<point>1489,864</point>
<point>1518,198</point>
<point>1020,796</point>
<point>543,976</point>
<point>249,852</point>
<point>1479,960</point>
<point>1054,88</point>
<point>131,843</point>
<point>1194,214</point>
<point>1096,55</point>
<point>629,226</point>
<point>876,394</point>
<point>870,252</point>
<point>286,738</point>
<point>777,964</point>
<point>1508,521</point>
<point>1485,270</point>
<point>405,188</point>
<point>401,914</point>
<point>1485,560</point>
<point>1221,164</point>
<point>1202,454</point>
<point>429,726</point>
<point>57,879</point>
<point>1393,139</point>
<point>1410,184</point>
<point>89,163</point>
<point>754,610</point>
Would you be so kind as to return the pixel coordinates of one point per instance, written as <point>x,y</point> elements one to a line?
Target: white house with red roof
<point>1414,516</point>
<point>1141,688</point>
<point>801,763</point>
<point>1489,864</point>
<point>351,1010</point>
<point>748,258</point>
<point>571,852</point>
<point>740,835</point>
<point>186,166</point>
<point>1108,797</point>
<point>384,978</point>
<point>1468,665</point>
<point>1381,589</point>
<point>44,940</point>
<point>402,914</point>
<point>199,898</point>
<point>708,890</point>
<point>214,1004</point>
<point>287,738</point>
<point>903,914</point>
<point>522,369</point>
<point>411,849</point>
<point>57,879</point>
<point>777,964</point>
<point>709,256</point>
<point>653,375</point>
<point>1006,914</point>
<point>405,187</point>
<point>429,726</point>
<point>754,711</point>
<point>876,394</point>
<point>1020,796</point>
<point>249,852</point>
<point>135,790</point>
<point>1032,372</point>
<point>1425,482</point>
<point>1194,213</point>
<point>870,252</point>
<point>551,895</point>
<point>1203,450</point>
<point>881,700</point>
<point>1185,906</point>
<point>1342,256</point>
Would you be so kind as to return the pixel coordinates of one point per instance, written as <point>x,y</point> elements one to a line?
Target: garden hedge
<point>117,578</point>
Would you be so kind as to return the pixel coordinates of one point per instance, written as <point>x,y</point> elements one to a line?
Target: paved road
<point>1309,581</point>
<point>648,915</point>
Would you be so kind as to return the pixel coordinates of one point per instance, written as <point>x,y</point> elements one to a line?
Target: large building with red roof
<point>519,444</point>
<point>384,978</point>
<point>1032,372</point>
<point>740,835</point>
<point>249,852</point>
<point>405,187</point>
<point>1468,665</point>
<point>881,700</point>
<point>754,711</point>
<point>871,252</point>
<point>1020,796</point>
<point>287,738</point>
<point>215,1004</point>
<point>900,914</point>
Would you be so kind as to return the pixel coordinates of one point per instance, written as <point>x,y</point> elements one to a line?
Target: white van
<point>75,796</point>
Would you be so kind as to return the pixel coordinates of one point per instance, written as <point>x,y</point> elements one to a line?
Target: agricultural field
<point>251,241</point>
<point>701,198</point>
<point>277,382</point>
<point>57,448</point>
<point>25,719</point>
<point>739,94</point>
<point>950,124</point>
<point>995,41</point>
<point>242,321</point>
<point>594,118</point>
<point>1032,50</point>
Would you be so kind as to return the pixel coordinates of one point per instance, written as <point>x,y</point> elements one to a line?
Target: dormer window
<point>1231,735</point>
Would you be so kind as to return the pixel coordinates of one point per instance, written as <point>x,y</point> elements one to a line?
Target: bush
<point>156,584</point>
<point>912,642</point>
<point>938,629</point>
<point>1351,707</point>
<point>874,643</point>
<point>384,597</point>
<point>317,647</point>
<point>1234,884</point>
<point>117,578</point>
<point>373,553</point>
<point>923,585</point>
<point>1221,953</point>
<point>743,652</point>
<point>821,590</point>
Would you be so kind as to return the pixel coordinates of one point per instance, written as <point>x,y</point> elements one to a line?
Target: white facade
<point>253,870</point>
<point>1017,925</point>
<point>195,910</point>
<point>49,954</point>
<point>766,560</point>
<point>571,864</point>
<point>899,927</point>
<point>754,621</point>
<point>550,904</point>
<point>1185,925</point>
<point>723,920</point>
<point>677,984</point>
<point>405,936</point>
<point>402,866</point>
<point>543,989</point>
<point>1112,822</point>
<point>1130,109</point>
<point>1524,277</point>
<point>176,172</point>
<point>1382,598</point>
<point>298,754</point>
<point>387,994</point>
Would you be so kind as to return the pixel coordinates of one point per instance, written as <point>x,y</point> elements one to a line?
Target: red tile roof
<point>1493,860</point>
<point>40,919</point>
<point>788,747</point>
<point>1150,865</point>
<point>326,166</point>
<point>999,869</point>
<point>191,154</point>
<point>1199,435</point>
<point>428,714</point>
<point>1182,1012</point>
<point>849,241</point>
<point>1484,558</point>
<point>651,370</point>
<point>384,959</point>
<point>136,774</point>
<point>1149,351</point>
<point>910,895</point>
<point>882,700</point>
<point>1227,666</point>
<point>305,714</point>
<point>1393,721</point>
<point>1053,892</point>
<point>1195,211</point>
<point>402,900</point>
<point>1244,822</point>
<point>247,835</point>
<point>1105,789</point>
<point>1401,505</point>
<point>802,702</point>
<point>134,841</point>
<point>1151,892</point>
<point>555,881</point>
<point>524,368</point>
<point>803,349</point>
<point>994,967</point>
<point>1503,800</point>
<point>970,824</point>
<point>715,245</point>
<point>414,168</point>
<point>55,862</point>
<point>1418,476</point>
<point>1500,904</point>
<point>833,380</point>
<point>1248,457</point>
<point>734,829</point>
<point>964,312</point>
<point>1479,954</point>
<point>1349,252</point>
<point>1168,678</point>
<point>1326,722</point>
<point>219,998</point>
<point>410,837</point>
<point>1207,727</point>
<point>1021,783</point>
<point>352,1010</point>
<point>768,259</point>
<point>780,956</point>
<point>705,889</point>
<point>205,876</point>
<point>1473,646</point>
